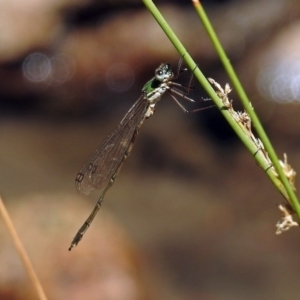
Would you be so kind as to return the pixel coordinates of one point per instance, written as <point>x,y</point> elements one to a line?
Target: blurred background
<point>191,215</point>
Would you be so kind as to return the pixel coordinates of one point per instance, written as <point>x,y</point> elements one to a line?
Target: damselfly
<point>101,170</point>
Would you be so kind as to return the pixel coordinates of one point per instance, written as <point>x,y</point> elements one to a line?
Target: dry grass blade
<point>21,251</point>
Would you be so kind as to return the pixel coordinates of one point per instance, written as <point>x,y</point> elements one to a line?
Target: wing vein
<point>101,166</point>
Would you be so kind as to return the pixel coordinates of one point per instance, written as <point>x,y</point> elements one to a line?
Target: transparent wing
<point>99,169</point>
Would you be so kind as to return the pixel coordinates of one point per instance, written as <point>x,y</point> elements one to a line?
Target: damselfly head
<point>164,72</point>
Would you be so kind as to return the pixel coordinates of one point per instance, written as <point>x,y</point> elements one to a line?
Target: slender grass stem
<point>247,105</point>
<point>281,183</point>
<point>22,252</point>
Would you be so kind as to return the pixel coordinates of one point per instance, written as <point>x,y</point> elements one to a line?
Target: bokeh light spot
<point>120,77</point>
<point>280,80</point>
<point>36,67</point>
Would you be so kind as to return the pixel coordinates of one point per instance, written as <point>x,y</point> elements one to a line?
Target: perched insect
<point>101,170</point>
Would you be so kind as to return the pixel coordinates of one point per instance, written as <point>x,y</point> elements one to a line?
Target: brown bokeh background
<point>191,215</point>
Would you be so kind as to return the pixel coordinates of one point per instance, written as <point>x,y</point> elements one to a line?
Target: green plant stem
<point>252,147</point>
<point>246,103</point>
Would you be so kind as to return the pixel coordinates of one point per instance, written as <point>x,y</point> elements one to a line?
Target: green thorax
<point>151,85</point>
